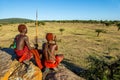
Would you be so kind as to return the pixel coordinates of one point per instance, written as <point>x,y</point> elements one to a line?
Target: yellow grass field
<point>78,40</point>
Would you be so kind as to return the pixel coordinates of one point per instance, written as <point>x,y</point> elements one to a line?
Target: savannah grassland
<point>77,42</point>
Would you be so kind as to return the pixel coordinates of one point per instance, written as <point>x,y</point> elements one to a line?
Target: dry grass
<point>77,42</point>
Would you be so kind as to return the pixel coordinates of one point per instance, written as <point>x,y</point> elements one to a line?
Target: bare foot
<point>55,69</point>
<point>27,62</point>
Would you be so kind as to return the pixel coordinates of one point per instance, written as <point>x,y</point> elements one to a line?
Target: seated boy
<point>23,49</point>
<point>50,59</point>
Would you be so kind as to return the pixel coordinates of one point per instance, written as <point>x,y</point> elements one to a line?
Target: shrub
<point>100,69</point>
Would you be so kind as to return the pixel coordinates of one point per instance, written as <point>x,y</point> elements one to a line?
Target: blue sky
<point>61,9</point>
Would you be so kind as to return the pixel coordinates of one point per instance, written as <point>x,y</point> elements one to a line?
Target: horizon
<point>61,9</point>
<point>60,20</point>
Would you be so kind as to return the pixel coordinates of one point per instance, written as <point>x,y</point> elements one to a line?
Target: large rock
<point>5,61</point>
<point>11,69</point>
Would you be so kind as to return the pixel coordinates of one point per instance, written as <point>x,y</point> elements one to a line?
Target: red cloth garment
<point>50,64</point>
<point>37,58</point>
<point>24,54</point>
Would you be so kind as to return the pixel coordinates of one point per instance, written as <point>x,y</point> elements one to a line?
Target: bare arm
<point>55,39</point>
<point>56,48</point>
<point>45,52</point>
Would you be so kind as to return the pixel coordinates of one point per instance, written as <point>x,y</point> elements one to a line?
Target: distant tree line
<point>15,20</point>
<point>22,20</point>
<point>106,22</point>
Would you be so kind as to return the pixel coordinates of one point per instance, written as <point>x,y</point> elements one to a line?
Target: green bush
<point>100,69</point>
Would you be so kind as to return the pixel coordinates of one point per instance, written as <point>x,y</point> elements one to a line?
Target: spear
<point>36,37</point>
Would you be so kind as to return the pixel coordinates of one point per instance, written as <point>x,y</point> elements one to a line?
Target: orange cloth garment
<point>24,54</point>
<point>50,64</point>
<point>37,58</point>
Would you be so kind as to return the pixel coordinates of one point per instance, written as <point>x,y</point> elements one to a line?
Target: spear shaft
<point>36,24</point>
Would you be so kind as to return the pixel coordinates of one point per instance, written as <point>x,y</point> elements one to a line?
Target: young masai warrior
<point>50,59</point>
<point>23,49</point>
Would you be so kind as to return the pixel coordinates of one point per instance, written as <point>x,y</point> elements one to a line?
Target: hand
<point>55,38</point>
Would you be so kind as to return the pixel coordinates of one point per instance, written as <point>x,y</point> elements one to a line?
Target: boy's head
<point>22,28</point>
<point>49,37</point>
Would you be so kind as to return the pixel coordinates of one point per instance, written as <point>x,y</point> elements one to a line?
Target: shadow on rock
<point>62,74</point>
<point>10,51</point>
<point>74,68</point>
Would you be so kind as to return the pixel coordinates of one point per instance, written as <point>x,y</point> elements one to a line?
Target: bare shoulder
<point>25,37</point>
<point>54,46</point>
<point>17,35</point>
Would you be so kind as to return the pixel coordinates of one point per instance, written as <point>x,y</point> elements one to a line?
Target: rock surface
<point>62,74</point>
<point>11,69</point>
<point>5,61</point>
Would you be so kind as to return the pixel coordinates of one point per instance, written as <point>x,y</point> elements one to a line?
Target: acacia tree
<point>107,23</point>
<point>99,31</point>
<point>61,30</point>
<point>0,25</point>
<point>118,25</point>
